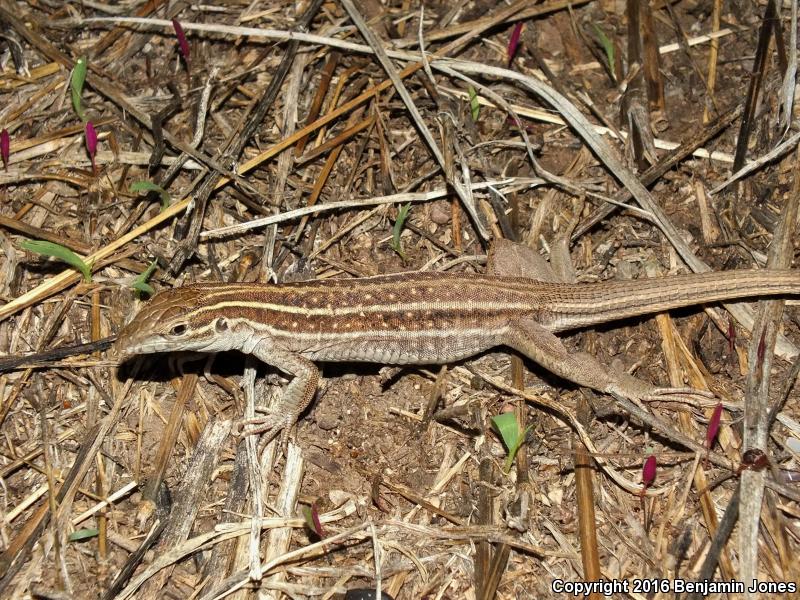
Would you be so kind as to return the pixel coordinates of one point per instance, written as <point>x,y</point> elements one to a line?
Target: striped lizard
<point>419,319</point>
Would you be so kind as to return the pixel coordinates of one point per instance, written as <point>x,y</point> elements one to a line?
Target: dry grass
<point>288,141</point>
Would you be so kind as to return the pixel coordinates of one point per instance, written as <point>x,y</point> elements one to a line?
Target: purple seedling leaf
<point>762,350</point>
<point>731,337</point>
<point>91,144</point>
<point>5,147</point>
<point>183,43</point>
<point>317,523</point>
<point>713,425</point>
<point>648,472</point>
<point>513,42</point>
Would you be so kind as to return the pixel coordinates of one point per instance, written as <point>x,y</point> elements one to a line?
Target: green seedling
<point>511,434</point>
<point>402,215</point>
<point>474,105</point>
<point>83,534</point>
<point>61,253</point>
<point>608,48</point>
<point>137,187</point>
<point>140,283</point>
<point>76,83</point>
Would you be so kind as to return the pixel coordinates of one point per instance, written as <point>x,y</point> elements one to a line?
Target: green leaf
<point>83,534</point>
<point>508,428</point>
<point>608,46</point>
<point>60,252</point>
<point>138,187</point>
<point>474,105</point>
<point>140,283</point>
<point>402,215</point>
<point>78,79</point>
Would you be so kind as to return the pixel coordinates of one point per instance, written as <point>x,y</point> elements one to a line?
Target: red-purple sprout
<point>5,147</point>
<point>91,144</point>
<point>183,43</point>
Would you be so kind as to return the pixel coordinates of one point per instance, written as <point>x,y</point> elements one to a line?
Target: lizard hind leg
<point>545,348</point>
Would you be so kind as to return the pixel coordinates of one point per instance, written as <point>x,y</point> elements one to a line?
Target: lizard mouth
<point>127,348</point>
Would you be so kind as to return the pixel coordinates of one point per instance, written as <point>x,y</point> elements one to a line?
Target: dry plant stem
<point>584,492</point>
<point>354,127</point>
<point>790,73</point>
<point>634,105</point>
<point>713,55</point>
<point>106,89</point>
<point>17,551</point>
<point>236,502</point>
<point>497,567</point>
<point>651,64</point>
<point>253,470</point>
<point>672,340</point>
<point>756,407</point>
<point>49,330</point>
<point>52,357</point>
<point>234,150</point>
<point>435,194</point>
<point>279,539</point>
<point>655,172</point>
<point>484,506</point>
<point>316,104</point>
<point>726,525</point>
<point>189,497</point>
<point>756,78</point>
<point>92,413</point>
<point>789,144</point>
<point>112,36</point>
<point>135,559</point>
<point>377,47</point>
<point>170,436</point>
<point>416,498</point>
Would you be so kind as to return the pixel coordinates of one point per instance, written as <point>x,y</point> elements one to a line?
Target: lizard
<point>419,319</point>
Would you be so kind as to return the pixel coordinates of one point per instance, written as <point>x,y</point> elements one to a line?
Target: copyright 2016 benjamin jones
<point>704,587</point>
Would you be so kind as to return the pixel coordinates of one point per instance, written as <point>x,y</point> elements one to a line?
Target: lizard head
<point>174,320</point>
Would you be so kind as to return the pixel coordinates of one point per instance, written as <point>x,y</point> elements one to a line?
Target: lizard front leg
<point>297,395</point>
<point>542,346</point>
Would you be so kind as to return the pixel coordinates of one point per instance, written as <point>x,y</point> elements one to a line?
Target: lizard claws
<point>677,394</point>
<point>269,426</point>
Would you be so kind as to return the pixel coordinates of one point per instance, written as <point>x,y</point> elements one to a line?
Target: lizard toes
<point>681,394</point>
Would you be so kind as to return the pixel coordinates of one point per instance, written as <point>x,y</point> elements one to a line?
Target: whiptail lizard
<point>418,319</point>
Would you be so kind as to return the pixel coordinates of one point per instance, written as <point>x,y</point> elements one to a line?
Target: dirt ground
<point>254,141</point>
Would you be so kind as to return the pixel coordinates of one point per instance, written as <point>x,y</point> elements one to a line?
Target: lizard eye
<point>179,329</point>
<point>221,325</point>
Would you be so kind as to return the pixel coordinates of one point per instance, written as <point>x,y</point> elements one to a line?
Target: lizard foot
<point>638,391</point>
<point>268,427</point>
<point>686,395</point>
